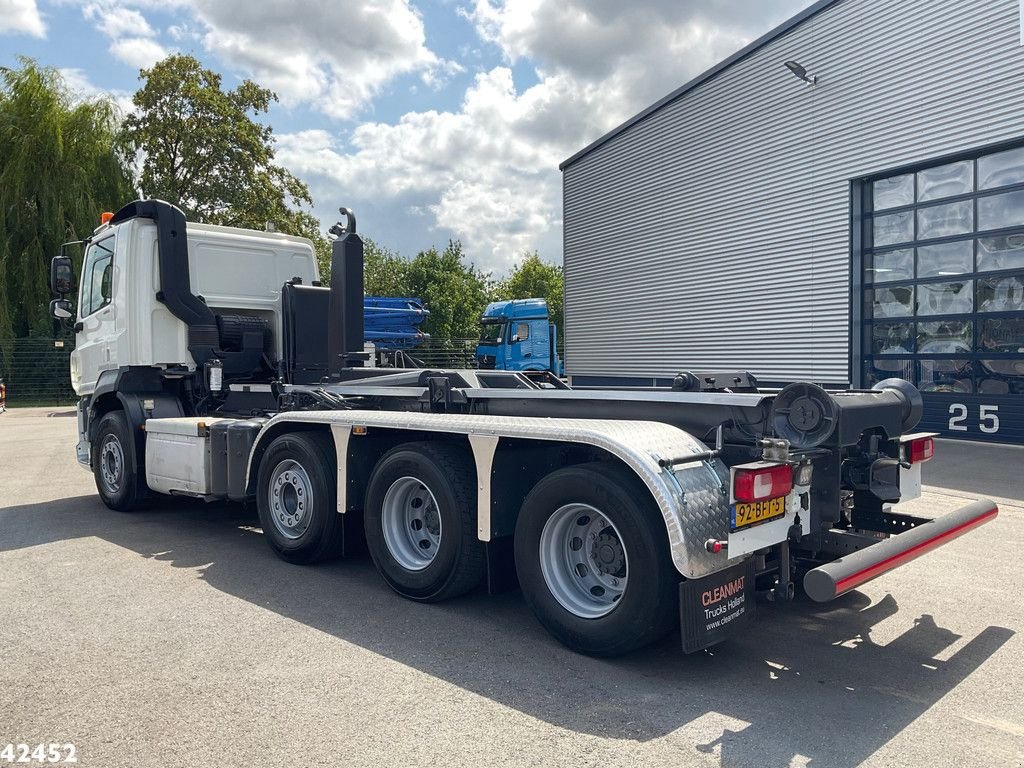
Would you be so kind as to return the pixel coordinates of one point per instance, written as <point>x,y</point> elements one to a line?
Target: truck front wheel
<point>296,498</point>
<point>420,521</point>
<point>593,560</point>
<point>115,466</point>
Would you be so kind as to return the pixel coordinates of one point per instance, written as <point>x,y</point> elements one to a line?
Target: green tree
<point>59,169</point>
<point>535,279</point>
<point>385,273</point>
<point>322,250</point>
<point>203,150</point>
<point>451,288</point>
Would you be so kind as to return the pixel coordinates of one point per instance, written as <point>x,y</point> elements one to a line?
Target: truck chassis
<point>621,514</point>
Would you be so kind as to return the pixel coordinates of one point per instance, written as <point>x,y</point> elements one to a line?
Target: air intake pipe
<point>175,282</point>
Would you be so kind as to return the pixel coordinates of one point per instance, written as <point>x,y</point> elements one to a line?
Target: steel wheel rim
<point>411,522</point>
<point>111,464</point>
<point>291,499</point>
<point>583,561</point>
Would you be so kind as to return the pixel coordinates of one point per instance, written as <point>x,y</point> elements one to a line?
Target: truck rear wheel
<point>296,498</point>
<point>593,560</point>
<point>420,521</point>
<point>115,466</point>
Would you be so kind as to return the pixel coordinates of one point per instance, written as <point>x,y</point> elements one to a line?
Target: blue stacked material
<point>393,323</point>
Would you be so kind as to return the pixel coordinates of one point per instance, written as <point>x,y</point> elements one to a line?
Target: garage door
<point>942,262</point>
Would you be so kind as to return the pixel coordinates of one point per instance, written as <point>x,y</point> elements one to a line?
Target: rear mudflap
<point>713,607</point>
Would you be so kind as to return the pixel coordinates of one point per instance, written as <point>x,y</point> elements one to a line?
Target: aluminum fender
<point>692,499</point>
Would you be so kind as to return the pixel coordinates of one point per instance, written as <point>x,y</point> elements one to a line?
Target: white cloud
<point>138,52</point>
<point>78,83</point>
<point>639,50</point>
<point>117,22</point>
<point>132,39</point>
<point>21,17</point>
<point>437,77</point>
<point>334,55</point>
<point>84,89</point>
<point>488,172</point>
<point>184,32</point>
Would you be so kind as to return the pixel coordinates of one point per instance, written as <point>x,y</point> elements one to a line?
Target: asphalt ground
<point>174,637</point>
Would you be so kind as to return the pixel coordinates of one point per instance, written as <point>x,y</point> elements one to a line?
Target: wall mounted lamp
<point>798,69</point>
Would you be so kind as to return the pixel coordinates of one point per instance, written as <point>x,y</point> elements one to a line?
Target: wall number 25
<point>988,419</point>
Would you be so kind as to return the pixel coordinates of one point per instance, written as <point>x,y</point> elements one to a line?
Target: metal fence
<point>445,353</point>
<point>36,371</point>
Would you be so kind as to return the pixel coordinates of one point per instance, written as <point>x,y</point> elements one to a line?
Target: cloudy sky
<point>433,119</point>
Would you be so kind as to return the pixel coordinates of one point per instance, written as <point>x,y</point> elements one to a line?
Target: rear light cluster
<point>763,482</point>
<point>920,450</point>
<point>758,483</point>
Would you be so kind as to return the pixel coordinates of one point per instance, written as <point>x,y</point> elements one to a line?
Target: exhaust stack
<point>345,306</point>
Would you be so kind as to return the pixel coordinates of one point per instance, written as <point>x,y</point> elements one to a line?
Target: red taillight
<point>921,450</point>
<point>763,483</point>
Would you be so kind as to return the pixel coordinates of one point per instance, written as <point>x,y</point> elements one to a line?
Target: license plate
<point>746,514</point>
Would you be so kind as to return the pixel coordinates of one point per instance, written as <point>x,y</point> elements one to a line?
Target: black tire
<point>647,607</point>
<point>300,467</point>
<point>457,563</point>
<point>117,469</point>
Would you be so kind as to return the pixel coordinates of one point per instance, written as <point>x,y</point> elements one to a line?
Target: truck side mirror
<point>61,275</point>
<point>61,309</point>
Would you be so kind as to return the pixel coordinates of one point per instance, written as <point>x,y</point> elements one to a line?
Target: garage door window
<point>943,276</point>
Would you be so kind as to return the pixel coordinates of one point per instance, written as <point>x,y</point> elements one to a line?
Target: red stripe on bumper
<point>858,578</point>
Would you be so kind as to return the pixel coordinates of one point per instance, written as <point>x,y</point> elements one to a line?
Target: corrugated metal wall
<point>715,233</point>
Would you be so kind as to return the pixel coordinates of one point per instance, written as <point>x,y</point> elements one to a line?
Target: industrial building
<point>841,201</point>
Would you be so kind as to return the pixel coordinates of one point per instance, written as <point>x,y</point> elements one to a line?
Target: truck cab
<point>518,336</point>
<point>167,315</point>
<point>121,321</point>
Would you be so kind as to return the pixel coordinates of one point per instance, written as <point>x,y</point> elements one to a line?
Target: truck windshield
<point>492,333</point>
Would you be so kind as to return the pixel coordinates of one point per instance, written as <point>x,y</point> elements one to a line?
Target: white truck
<point>211,363</point>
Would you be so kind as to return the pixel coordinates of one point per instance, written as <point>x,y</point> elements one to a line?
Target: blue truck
<point>517,335</point>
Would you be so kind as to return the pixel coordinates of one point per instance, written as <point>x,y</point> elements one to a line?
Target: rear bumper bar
<point>831,580</point>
